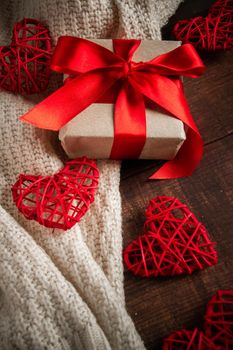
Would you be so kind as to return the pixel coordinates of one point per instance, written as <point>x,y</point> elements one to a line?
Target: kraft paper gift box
<point>91,133</point>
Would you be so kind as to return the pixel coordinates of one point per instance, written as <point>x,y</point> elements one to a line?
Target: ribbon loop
<point>125,48</point>
<point>97,70</point>
<point>76,55</point>
<point>183,60</point>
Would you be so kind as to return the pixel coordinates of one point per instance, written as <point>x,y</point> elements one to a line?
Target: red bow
<point>103,75</point>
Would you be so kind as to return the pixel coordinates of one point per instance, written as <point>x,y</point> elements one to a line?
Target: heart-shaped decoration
<point>175,242</point>
<point>58,201</point>
<point>213,32</point>
<point>219,319</point>
<point>25,63</point>
<point>188,340</point>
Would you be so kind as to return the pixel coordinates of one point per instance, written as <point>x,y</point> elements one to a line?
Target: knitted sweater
<point>65,290</point>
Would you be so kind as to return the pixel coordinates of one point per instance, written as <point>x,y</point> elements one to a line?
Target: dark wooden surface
<point>159,306</point>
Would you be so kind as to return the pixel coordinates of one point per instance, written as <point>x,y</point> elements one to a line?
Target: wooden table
<point>159,306</point>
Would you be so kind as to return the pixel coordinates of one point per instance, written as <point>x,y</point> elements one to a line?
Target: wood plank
<point>211,104</point>
<point>210,97</point>
<point>162,305</point>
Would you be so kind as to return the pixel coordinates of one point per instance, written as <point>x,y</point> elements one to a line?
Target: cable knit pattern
<point>64,290</point>
<point>37,294</point>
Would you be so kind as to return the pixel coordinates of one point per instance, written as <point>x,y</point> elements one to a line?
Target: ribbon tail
<point>169,95</point>
<point>71,99</point>
<point>185,161</point>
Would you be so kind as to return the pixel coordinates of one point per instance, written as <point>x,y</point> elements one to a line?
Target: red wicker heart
<point>188,340</point>
<point>213,32</point>
<point>24,64</point>
<point>219,319</point>
<point>175,242</point>
<point>58,201</point>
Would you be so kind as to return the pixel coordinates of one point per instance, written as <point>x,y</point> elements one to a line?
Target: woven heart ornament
<point>24,64</point>
<point>219,319</point>
<point>58,201</point>
<point>213,32</point>
<point>175,242</point>
<point>188,340</point>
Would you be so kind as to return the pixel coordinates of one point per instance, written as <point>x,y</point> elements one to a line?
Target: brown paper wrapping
<point>91,133</point>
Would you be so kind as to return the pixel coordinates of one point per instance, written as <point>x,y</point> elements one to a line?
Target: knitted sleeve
<point>38,308</point>
<point>64,290</point>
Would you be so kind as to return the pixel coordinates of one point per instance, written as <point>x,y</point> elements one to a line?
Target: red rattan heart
<point>213,32</point>
<point>174,243</point>
<point>188,340</point>
<point>24,64</point>
<point>219,319</point>
<point>58,201</point>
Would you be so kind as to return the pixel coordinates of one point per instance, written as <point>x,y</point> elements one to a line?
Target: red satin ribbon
<point>103,75</point>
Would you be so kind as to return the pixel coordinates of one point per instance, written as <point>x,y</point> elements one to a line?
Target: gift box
<point>91,133</point>
<point>123,98</point>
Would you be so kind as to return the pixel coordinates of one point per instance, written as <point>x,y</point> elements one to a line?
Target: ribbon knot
<point>96,70</point>
<point>127,69</point>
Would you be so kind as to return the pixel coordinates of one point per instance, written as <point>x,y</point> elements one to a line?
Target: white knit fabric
<point>65,290</point>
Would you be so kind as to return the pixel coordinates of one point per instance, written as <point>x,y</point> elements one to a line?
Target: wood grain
<point>210,102</point>
<point>159,306</point>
